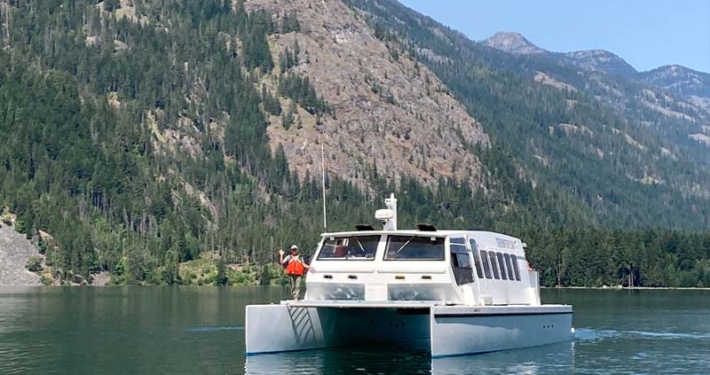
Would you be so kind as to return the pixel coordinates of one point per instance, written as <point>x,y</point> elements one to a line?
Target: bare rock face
<point>512,42</point>
<point>15,250</point>
<point>390,113</point>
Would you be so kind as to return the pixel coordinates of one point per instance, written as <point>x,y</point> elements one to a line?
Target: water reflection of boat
<point>555,359</point>
<point>448,292</point>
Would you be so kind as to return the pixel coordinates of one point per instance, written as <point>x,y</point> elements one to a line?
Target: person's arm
<point>281,256</point>
<point>300,259</point>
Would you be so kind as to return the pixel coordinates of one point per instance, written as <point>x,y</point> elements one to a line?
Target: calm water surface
<point>200,331</point>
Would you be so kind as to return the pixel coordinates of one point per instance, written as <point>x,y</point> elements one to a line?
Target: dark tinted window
<point>494,266</point>
<point>486,264</point>
<point>352,247</point>
<point>515,267</point>
<point>477,259</point>
<point>457,241</point>
<point>414,248</point>
<point>509,265</point>
<point>501,265</point>
<point>462,260</point>
<point>461,264</point>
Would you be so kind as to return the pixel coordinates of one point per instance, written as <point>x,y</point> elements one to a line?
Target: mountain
<point>692,85</point>
<point>673,98</point>
<point>513,42</point>
<point>601,61</point>
<point>174,142</point>
<point>590,60</point>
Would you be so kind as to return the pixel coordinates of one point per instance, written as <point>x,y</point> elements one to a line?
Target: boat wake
<point>584,334</point>
<point>214,328</point>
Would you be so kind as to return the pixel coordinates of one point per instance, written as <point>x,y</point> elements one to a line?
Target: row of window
<point>398,248</point>
<point>496,265</point>
<point>488,264</point>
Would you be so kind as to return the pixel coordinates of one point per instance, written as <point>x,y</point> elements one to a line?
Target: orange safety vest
<point>295,267</point>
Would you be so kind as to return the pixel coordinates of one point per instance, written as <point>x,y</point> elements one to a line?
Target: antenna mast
<point>322,167</point>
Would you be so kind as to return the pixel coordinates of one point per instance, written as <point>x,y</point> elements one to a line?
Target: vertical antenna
<point>322,167</point>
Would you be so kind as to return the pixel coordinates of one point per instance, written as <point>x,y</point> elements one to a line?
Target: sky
<point>645,33</point>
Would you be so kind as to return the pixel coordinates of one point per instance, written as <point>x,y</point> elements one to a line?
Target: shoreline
<point>626,288</point>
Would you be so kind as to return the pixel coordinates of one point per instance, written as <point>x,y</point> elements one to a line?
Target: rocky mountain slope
<point>513,42</point>
<point>390,111</point>
<point>15,251</point>
<point>672,100</point>
<point>689,90</point>
<point>689,84</point>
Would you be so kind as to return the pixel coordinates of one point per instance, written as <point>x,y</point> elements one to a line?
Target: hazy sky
<point>645,33</point>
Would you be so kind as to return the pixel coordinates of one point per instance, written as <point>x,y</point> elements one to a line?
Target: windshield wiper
<point>405,245</point>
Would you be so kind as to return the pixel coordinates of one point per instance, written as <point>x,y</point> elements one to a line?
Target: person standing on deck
<point>295,268</point>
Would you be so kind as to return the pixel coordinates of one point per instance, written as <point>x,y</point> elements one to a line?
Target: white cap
<point>294,247</point>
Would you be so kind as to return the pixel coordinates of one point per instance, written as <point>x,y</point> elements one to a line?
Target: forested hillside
<point>143,137</point>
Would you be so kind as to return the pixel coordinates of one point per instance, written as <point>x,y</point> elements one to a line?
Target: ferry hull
<point>440,330</point>
<point>466,330</point>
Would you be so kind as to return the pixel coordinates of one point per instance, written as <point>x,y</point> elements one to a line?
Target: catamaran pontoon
<point>451,292</point>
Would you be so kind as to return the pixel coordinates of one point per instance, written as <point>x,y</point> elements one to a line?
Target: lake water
<point>200,331</point>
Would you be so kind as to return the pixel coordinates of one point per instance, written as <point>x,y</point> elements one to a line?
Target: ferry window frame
<point>502,265</point>
<point>477,263</point>
<point>494,267</point>
<point>410,237</point>
<point>516,264</point>
<point>457,241</point>
<point>349,258</point>
<point>486,264</point>
<point>509,263</point>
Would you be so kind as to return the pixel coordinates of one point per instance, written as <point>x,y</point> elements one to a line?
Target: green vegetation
<point>301,91</point>
<point>86,102</point>
<point>595,257</point>
<point>34,264</point>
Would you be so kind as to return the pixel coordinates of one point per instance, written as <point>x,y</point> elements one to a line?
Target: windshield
<point>352,247</point>
<point>414,248</point>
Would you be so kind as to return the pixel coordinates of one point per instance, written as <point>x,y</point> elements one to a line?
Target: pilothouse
<point>449,292</point>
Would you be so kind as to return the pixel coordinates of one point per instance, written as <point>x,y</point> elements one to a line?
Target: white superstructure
<point>455,292</point>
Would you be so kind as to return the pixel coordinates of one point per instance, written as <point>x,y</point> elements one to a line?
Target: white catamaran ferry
<point>448,291</point>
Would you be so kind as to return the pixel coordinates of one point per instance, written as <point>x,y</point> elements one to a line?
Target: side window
<point>509,264</point>
<point>486,264</point>
<point>494,266</point>
<point>477,259</point>
<point>515,267</point>
<point>501,265</point>
<point>457,241</point>
<point>460,261</point>
<point>463,260</point>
